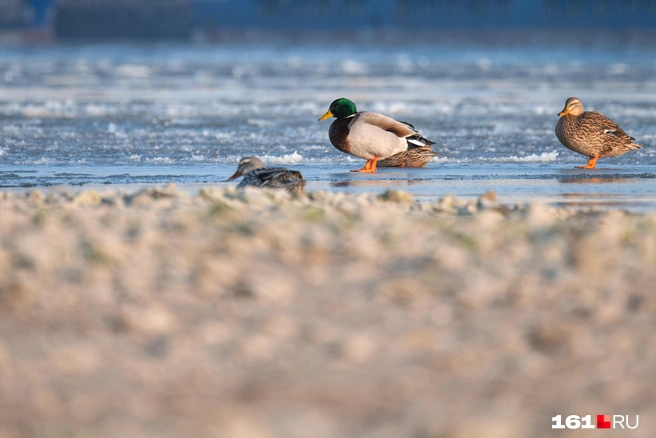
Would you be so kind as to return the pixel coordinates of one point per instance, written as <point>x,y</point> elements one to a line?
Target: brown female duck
<point>256,174</point>
<point>591,134</point>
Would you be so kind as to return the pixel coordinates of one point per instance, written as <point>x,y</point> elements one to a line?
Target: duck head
<point>247,164</point>
<point>340,108</point>
<point>573,106</point>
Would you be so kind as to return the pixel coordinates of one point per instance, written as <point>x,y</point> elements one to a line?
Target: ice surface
<point>184,113</point>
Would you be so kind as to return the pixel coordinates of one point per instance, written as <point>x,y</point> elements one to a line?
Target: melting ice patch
<point>485,64</point>
<point>544,157</point>
<point>11,129</point>
<point>43,161</point>
<point>294,158</point>
<point>132,71</point>
<point>164,160</point>
<point>49,108</point>
<point>98,110</point>
<point>353,67</point>
<point>618,69</point>
<point>113,129</point>
<point>261,123</point>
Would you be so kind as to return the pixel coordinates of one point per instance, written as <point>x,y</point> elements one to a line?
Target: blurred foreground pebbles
<point>257,313</point>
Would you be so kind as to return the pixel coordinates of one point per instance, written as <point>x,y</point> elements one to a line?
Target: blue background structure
<point>401,15</point>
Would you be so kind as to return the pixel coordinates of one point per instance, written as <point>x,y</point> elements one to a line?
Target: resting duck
<point>256,174</point>
<point>591,134</point>
<point>371,136</point>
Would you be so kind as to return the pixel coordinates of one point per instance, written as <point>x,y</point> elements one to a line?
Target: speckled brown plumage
<point>591,134</point>
<point>416,157</point>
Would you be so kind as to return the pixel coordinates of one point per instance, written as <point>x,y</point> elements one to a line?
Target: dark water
<point>123,115</point>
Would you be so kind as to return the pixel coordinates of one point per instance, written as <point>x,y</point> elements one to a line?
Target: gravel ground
<point>257,314</point>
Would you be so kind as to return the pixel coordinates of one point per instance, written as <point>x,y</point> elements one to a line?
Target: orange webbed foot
<point>592,163</point>
<point>369,167</point>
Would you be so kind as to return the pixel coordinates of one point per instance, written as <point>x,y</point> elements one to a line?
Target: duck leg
<point>366,167</point>
<point>369,166</point>
<point>373,164</point>
<point>592,163</point>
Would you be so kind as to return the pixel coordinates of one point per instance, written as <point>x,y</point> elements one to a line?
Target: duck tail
<point>422,151</point>
<point>417,141</point>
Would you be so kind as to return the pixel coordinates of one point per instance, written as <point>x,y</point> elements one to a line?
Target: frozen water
<point>154,114</point>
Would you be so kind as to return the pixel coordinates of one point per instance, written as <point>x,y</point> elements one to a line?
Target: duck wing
<point>602,124</point>
<point>280,174</point>
<point>273,177</point>
<point>385,123</point>
<point>396,127</point>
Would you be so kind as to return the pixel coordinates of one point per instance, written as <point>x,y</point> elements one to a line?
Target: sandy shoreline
<point>157,313</point>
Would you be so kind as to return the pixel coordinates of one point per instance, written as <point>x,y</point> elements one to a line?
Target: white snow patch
<point>50,108</point>
<point>43,160</point>
<point>113,129</point>
<point>97,110</point>
<point>133,71</point>
<point>618,69</point>
<point>353,67</point>
<point>551,69</point>
<point>294,158</point>
<point>261,123</point>
<point>11,129</point>
<point>295,62</point>
<point>165,160</point>
<point>544,157</point>
<point>485,64</point>
<point>404,62</point>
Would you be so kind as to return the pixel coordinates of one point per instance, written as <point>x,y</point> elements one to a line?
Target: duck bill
<point>326,116</point>
<point>564,112</point>
<point>235,176</point>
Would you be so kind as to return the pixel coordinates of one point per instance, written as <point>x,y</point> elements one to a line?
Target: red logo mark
<point>603,421</point>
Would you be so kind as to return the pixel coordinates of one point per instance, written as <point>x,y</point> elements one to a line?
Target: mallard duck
<point>591,134</point>
<point>256,174</point>
<point>371,136</point>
